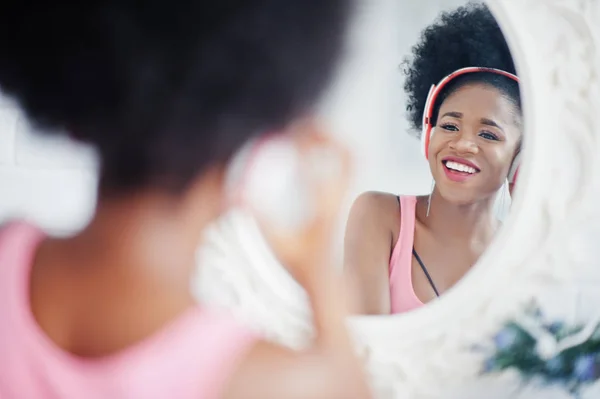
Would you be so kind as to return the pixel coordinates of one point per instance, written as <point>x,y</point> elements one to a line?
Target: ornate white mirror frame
<point>548,241</point>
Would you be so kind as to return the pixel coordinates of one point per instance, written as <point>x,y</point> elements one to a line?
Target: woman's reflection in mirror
<point>404,251</point>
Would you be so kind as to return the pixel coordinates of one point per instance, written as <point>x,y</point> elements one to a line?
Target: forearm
<point>329,300</point>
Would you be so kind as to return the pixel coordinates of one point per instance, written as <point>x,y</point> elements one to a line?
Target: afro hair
<point>465,37</point>
<point>166,89</point>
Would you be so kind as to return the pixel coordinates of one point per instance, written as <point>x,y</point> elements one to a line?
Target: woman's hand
<point>324,172</point>
<point>330,367</point>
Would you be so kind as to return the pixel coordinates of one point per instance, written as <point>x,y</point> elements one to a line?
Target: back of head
<point>468,36</point>
<point>165,89</point>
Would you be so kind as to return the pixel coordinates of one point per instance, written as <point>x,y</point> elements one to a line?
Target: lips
<point>459,169</point>
<point>462,161</point>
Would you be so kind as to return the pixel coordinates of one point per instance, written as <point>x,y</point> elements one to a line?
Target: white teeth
<point>460,167</point>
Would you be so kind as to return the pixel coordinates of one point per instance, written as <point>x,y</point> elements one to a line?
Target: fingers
<point>318,177</point>
<point>326,168</point>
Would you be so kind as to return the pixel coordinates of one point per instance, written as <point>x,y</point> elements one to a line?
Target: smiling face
<point>476,138</point>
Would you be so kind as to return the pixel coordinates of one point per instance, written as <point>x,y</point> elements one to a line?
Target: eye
<point>450,127</point>
<point>488,136</point>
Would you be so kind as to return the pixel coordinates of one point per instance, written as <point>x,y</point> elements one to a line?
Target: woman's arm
<point>367,247</point>
<point>328,370</point>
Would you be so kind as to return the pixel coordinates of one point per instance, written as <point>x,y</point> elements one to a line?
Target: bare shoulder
<point>371,231</point>
<point>376,201</point>
<point>376,205</point>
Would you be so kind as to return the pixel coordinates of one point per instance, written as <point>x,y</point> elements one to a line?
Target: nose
<point>464,144</point>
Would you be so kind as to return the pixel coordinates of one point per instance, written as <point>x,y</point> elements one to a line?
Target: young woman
<point>404,251</point>
<point>167,92</point>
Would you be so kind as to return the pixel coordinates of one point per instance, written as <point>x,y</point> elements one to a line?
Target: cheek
<point>500,160</point>
<point>438,142</point>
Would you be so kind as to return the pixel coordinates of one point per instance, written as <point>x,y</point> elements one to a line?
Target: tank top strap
<point>402,294</point>
<point>18,242</point>
<point>403,247</point>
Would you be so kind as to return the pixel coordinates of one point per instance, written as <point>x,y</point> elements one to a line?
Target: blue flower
<point>489,365</point>
<point>556,327</point>
<point>506,338</point>
<point>585,368</point>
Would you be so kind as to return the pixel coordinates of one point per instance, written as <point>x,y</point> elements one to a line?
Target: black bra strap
<point>425,271</point>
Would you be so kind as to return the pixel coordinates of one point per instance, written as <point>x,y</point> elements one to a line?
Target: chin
<point>459,196</point>
<point>466,196</point>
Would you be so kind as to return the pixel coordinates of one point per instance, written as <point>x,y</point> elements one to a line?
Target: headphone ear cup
<point>425,140</point>
<point>427,129</point>
<point>272,184</point>
<point>514,169</point>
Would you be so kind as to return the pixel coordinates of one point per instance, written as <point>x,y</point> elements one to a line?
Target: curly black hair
<point>165,89</point>
<point>467,36</point>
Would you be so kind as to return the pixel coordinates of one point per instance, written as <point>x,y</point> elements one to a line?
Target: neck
<point>148,236</point>
<point>472,223</point>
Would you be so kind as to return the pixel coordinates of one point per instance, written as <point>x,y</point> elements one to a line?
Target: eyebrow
<point>484,121</point>
<point>490,122</point>
<point>453,114</point>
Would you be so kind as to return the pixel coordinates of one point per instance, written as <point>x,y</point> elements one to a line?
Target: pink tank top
<point>402,294</point>
<point>190,358</point>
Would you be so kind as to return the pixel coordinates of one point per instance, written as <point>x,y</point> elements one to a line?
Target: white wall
<point>52,180</point>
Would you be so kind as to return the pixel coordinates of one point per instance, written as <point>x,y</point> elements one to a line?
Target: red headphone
<point>428,128</point>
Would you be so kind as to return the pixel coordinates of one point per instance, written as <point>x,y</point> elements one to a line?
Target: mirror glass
<point>450,160</point>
